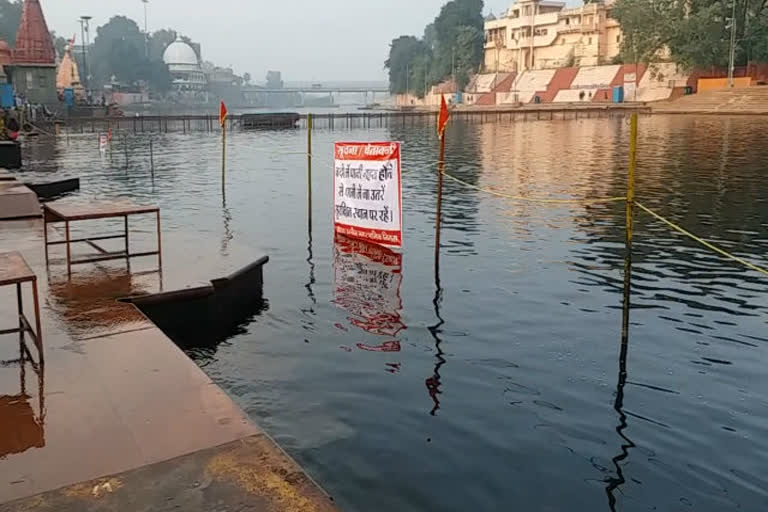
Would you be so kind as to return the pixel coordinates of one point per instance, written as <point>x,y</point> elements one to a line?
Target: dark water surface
<point>493,383</point>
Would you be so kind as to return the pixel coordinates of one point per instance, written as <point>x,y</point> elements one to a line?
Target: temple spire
<point>33,40</point>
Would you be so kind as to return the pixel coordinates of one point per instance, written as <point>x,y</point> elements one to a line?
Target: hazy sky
<point>319,40</point>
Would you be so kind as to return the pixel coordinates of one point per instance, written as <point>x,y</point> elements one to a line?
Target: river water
<point>490,381</point>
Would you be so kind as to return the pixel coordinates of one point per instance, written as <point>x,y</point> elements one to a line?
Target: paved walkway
<point>117,395</point>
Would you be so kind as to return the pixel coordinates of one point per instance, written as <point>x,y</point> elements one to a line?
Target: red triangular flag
<point>442,119</point>
<point>222,113</point>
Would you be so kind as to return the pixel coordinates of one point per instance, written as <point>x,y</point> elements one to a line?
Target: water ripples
<point>508,375</point>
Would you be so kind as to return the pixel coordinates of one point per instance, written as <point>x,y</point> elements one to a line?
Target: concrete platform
<point>17,201</point>
<point>117,397</point>
<point>247,475</point>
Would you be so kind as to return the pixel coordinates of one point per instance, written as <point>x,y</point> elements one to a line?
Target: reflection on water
<point>87,303</point>
<point>434,382</point>
<point>22,419</point>
<point>614,483</point>
<point>513,311</point>
<point>367,285</point>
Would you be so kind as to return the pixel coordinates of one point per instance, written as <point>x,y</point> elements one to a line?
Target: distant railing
<point>349,120</point>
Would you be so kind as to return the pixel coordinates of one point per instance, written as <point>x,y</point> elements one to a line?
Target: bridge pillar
<point>373,99</point>
<point>365,98</point>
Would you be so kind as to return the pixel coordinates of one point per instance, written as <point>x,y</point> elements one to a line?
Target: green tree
<point>404,53</point>
<point>469,53</point>
<point>420,74</point>
<point>10,16</point>
<point>159,77</point>
<point>452,43</point>
<point>116,51</point>
<point>696,33</point>
<point>456,18</point>
<point>119,51</point>
<point>159,41</point>
<point>59,43</point>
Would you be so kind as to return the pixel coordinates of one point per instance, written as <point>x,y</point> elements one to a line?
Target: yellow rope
<point>701,240</point>
<point>534,199</point>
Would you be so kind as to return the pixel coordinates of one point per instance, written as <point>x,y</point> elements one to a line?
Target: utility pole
<point>453,75</point>
<point>453,64</point>
<point>407,79</point>
<point>146,32</point>
<point>732,53</point>
<point>83,29</point>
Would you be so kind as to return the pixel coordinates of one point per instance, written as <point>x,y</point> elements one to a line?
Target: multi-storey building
<point>542,34</point>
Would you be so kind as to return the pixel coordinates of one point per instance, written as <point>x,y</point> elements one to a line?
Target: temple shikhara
<point>31,66</point>
<point>68,76</point>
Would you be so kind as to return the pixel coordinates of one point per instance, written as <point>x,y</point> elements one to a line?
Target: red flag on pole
<point>442,119</point>
<point>222,113</point>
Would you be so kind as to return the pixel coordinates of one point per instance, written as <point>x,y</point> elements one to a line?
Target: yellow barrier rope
<point>701,240</point>
<point>533,199</point>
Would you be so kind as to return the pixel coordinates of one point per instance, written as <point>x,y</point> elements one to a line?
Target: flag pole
<point>223,155</point>
<point>439,213</point>
<point>442,121</point>
<point>223,122</point>
<point>442,152</point>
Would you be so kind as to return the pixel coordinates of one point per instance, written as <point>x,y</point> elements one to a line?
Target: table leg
<point>127,250</point>
<point>20,304</point>
<point>45,236</point>
<point>159,243</point>
<point>22,368</point>
<point>127,244</point>
<point>39,333</point>
<point>69,252</point>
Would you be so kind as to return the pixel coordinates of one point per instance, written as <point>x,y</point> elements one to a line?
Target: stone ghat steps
<point>742,101</point>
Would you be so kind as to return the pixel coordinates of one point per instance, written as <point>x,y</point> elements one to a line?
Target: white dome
<point>180,53</point>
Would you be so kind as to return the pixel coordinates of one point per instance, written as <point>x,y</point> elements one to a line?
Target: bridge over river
<point>332,90</point>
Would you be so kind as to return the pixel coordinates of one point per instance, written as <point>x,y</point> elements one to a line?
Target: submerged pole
<point>629,233</point>
<point>151,158</point>
<point>309,169</point>
<point>631,177</point>
<point>439,217</point>
<point>223,157</point>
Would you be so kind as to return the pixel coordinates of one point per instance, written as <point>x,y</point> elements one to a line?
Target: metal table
<point>14,270</point>
<point>58,212</point>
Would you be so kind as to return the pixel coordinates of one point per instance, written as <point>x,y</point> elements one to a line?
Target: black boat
<point>269,121</point>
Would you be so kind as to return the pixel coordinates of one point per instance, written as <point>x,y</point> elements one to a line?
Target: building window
<point>589,41</point>
<point>567,21</point>
<point>562,41</point>
<point>543,31</point>
<point>30,80</point>
<point>42,81</point>
<point>618,38</point>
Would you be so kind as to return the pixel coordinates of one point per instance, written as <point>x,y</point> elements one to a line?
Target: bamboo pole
<point>223,157</point>
<point>309,169</point>
<point>438,220</point>
<point>630,232</point>
<point>631,178</point>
